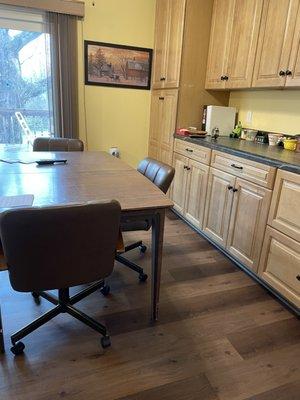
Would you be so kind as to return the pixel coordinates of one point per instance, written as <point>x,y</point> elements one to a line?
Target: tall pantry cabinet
<point>182,30</point>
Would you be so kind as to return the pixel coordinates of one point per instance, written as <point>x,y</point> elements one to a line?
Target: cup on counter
<point>273,139</point>
<point>250,134</point>
<point>290,144</point>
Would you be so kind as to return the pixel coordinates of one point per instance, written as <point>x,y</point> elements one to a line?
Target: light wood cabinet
<point>284,212</point>
<point>196,193</point>
<point>275,42</point>
<point>162,124</point>
<point>248,222</point>
<point>218,205</point>
<point>293,73</point>
<point>179,182</point>
<point>168,43</point>
<point>233,42</point>
<point>280,264</point>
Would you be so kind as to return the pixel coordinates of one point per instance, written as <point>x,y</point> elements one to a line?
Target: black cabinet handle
<point>224,78</point>
<point>189,150</point>
<point>282,73</point>
<point>298,277</point>
<point>236,166</point>
<point>162,79</point>
<point>187,167</point>
<point>288,72</point>
<point>161,98</point>
<point>229,187</point>
<point>235,190</point>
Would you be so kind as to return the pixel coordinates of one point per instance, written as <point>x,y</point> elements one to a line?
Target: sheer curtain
<point>64,62</point>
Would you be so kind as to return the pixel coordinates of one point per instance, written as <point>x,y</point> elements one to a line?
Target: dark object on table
<point>262,137</point>
<point>215,133</point>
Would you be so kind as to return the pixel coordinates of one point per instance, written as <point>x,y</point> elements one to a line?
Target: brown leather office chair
<point>56,248</point>
<point>57,144</point>
<point>162,176</point>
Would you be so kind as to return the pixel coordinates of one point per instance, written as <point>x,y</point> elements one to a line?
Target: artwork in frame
<point>116,65</point>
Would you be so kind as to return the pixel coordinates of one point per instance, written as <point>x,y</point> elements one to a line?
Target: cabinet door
<point>248,222</point>
<point>293,73</point>
<point>284,212</point>
<point>180,163</point>
<point>160,43</point>
<point>218,45</point>
<point>242,43</point>
<point>174,47</point>
<point>167,123</point>
<point>196,192</point>
<point>280,264</point>
<point>218,205</point>
<point>275,42</point>
<point>156,114</point>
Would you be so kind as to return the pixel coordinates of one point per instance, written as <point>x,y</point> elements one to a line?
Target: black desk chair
<point>162,176</point>
<point>57,144</point>
<point>57,248</point>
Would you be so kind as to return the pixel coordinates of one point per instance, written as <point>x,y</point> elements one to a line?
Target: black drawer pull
<point>229,187</point>
<point>282,73</point>
<point>235,190</point>
<point>236,166</point>
<point>288,72</point>
<point>298,277</point>
<point>190,150</point>
<point>162,78</point>
<point>161,98</point>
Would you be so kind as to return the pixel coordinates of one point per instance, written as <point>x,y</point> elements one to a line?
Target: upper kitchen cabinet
<point>233,42</point>
<point>293,72</point>
<point>168,43</point>
<point>275,43</point>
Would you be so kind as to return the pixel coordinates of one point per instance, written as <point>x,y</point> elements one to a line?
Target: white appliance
<point>220,117</point>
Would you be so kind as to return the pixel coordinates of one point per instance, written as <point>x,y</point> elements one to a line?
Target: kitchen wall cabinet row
<point>179,67</point>
<point>254,43</point>
<point>232,207</point>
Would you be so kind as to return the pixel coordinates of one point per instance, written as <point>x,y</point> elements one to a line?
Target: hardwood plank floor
<point>220,336</point>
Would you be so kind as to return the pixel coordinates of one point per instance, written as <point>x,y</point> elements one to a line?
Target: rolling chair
<point>57,144</point>
<point>52,248</point>
<point>162,176</point>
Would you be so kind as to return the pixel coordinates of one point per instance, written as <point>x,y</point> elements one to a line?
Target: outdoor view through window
<point>26,104</point>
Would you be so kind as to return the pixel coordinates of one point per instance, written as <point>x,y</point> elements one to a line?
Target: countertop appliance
<point>220,117</point>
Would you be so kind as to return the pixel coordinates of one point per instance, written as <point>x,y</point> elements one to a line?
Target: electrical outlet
<point>249,117</point>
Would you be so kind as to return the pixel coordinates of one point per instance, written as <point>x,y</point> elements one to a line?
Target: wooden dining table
<point>89,176</point>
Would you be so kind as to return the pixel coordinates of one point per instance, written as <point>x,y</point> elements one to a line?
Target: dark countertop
<point>274,156</point>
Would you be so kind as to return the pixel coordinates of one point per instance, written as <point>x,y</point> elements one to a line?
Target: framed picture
<point>109,64</point>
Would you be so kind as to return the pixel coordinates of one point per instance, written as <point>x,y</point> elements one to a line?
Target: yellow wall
<point>273,110</point>
<point>116,117</point>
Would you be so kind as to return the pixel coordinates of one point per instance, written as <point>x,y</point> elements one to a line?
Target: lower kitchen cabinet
<point>189,188</point>
<point>218,205</point>
<point>248,222</point>
<point>196,192</point>
<point>280,264</point>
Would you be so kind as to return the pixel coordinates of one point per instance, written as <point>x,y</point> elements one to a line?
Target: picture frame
<point>108,64</point>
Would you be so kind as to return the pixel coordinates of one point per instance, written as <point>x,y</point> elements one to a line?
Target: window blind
<point>71,7</point>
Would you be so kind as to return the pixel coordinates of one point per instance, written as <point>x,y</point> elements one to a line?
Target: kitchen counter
<point>274,156</point>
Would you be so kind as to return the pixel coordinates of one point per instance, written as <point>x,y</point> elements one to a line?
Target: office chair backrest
<point>159,173</point>
<point>57,144</point>
<point>58,247</point>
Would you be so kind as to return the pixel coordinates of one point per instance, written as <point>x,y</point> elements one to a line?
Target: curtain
<point>64,61</point>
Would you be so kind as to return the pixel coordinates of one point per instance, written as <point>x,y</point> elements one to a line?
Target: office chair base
<point>105,290</point>
<point>63,304</point>
<point>142,276</point>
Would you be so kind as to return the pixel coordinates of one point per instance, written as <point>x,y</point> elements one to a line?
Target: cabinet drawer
<point>193,151</point>
<point>284,212</point>
<point>280,264</point>
<point>252,171</point>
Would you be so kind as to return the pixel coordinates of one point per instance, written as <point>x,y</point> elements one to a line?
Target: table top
<point>87,176</point>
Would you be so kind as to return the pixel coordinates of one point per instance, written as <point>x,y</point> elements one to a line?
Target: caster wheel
<point>105,342</point>
<point>105,290</point>
<point>143,248</point>
<point>143,277</point>
<point>18,348</point>
<point>35,295</point>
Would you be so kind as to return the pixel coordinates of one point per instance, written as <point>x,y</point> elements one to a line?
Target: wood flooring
<point>220,335</point>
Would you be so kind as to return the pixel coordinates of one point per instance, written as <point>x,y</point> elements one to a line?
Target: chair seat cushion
<point>142,225</point>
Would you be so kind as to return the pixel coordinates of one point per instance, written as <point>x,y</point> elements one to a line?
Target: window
<point>26,99</point>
